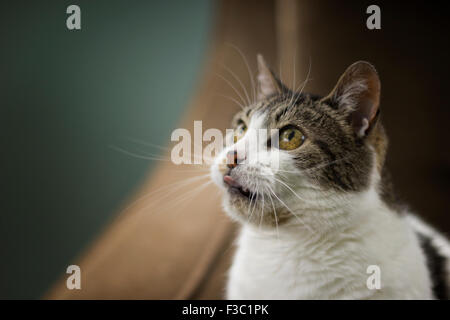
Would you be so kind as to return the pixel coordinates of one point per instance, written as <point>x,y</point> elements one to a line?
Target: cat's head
<point>328,149</point>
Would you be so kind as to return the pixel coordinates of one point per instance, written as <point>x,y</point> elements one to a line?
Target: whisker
<point>262,210</point>
<point>256,197</point>
<point>287,186</point>
<point>295,71</point>
<point>176,185</point>
<point>298,218</point>
<point>252,80</point>
<point>240,83</point>
<point>319,166</point>
<point>249,207</point>
<point>189,195</point>
<point>303,84</point>
<point>135,155</point>
<point>274,213</point>
<point>149,144</point>
<point>150,157</point>
<point>231,85</point>
<point>232,99</point>
<point>174,201</point>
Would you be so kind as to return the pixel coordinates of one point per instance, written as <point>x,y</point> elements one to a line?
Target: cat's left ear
<point>357,93</point>
<point>268,83</point>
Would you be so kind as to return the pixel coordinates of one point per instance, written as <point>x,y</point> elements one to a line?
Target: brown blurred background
<point>151,251</point>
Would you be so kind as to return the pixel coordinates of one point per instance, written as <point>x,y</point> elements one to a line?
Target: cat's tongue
<point>234,184</point>
<point>231,182</point>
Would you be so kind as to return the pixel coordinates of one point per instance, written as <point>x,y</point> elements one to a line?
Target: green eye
<point>240,130</point>
<point>290,138</point>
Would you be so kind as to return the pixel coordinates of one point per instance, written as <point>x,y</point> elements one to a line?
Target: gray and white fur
<point>313,224</point>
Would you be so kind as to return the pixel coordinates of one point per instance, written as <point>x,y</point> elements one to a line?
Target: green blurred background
<point>66,98</point>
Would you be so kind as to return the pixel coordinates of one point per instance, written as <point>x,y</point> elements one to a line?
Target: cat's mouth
<point>236,188</point>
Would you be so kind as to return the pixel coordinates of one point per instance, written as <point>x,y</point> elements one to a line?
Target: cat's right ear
<point>357,95</point>
<point>268,83</point>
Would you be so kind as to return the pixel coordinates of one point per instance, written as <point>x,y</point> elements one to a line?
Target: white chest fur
<point>296,264</point>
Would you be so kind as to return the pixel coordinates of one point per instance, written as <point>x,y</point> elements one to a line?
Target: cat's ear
<point>267,82</point>
<point>357,93</point>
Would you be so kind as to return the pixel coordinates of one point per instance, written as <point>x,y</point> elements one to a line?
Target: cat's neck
<point>296,263</point>
<point>355,214</point>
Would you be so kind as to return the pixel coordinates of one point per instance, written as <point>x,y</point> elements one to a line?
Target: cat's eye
<point>240,130</point>
<point>290,138</point>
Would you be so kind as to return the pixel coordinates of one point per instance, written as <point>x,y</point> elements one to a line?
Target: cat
<point>312,225</point>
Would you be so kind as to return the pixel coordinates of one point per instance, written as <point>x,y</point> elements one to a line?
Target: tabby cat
<point>323,221</point>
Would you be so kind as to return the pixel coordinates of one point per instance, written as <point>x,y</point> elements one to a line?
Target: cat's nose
<point>233,160</point>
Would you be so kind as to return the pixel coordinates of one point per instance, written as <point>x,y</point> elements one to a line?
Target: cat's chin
<point>241,193</point>
<point>238,202</point>
<point>247,210</point>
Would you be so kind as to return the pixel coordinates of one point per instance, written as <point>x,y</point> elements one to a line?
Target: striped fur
<point>312,225</point>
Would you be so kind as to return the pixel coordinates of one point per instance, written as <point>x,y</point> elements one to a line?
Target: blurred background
<point>78,106</point>
<point>68,97</point>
